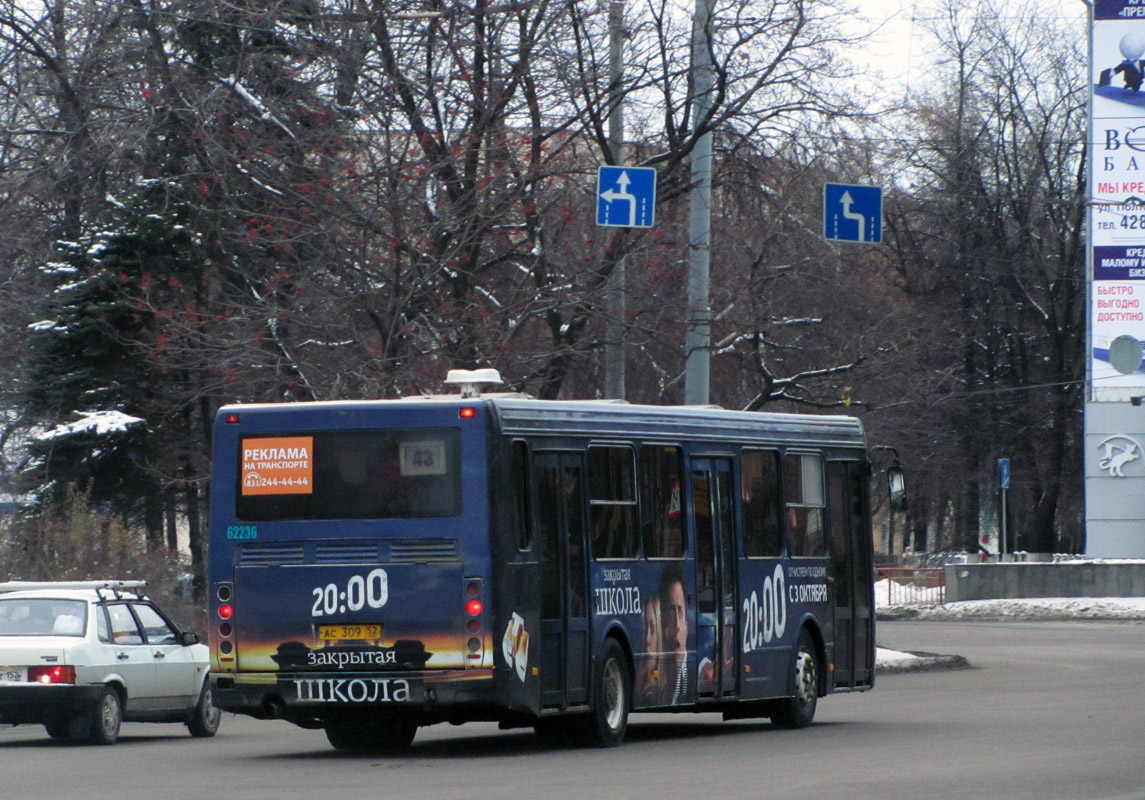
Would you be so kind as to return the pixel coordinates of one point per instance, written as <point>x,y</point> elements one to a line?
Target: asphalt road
<point>1048,710</point>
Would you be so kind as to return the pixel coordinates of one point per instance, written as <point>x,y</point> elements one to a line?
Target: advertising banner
<point>1117,187</point>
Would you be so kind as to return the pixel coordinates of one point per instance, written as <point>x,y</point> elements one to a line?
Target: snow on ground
<point>1086,608</point>
<point>921,603</point>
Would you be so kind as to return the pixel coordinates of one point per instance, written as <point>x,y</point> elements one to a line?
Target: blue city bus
<point>376,566</point>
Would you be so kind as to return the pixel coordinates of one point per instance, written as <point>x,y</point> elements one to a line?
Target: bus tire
<point>798,711</point>
<point>611,699</point>
<point>345,736</point>
<point>390,736</point>
<point>395,736</point>
<point>553,733</point>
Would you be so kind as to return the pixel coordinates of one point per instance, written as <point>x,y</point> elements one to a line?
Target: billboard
<point>1117,187</point>
<point>1114,418</point>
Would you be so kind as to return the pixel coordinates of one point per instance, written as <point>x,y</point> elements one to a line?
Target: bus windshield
<point>351,474</point>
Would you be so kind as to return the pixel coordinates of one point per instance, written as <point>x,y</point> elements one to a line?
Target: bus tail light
<point>474,622</point>
<point>224,626</point>
<point>52,674</point>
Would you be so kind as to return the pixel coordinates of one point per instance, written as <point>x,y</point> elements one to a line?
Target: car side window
<point>102,627</point>
<point>124,629</point>
<point>155,628</point>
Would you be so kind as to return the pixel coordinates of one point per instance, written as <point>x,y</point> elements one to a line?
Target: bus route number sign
<point>425,457</point>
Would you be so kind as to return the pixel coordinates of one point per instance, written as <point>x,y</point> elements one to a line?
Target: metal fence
<point>910,586</point>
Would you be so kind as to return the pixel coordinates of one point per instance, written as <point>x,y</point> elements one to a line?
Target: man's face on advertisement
<point>676,619</point>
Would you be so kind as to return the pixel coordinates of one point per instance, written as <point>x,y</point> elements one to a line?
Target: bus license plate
<point>358,631</point>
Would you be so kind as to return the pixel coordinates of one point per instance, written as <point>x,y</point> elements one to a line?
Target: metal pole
<point>697,343</point>
<point>614,367</point>
<point>1003,489</point>
<point>1002,544</point>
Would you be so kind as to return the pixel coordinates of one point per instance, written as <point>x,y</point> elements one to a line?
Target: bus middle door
<point>718,655</point>
<point>564,611</point>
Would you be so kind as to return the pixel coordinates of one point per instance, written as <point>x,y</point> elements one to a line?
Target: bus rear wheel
<point>612,696</point>
<point>798,711</point>
<point>388,736</point>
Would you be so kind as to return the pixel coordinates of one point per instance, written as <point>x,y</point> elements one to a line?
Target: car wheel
<point>799,711</point>
<point>205,718</point>
<point>106,718</point>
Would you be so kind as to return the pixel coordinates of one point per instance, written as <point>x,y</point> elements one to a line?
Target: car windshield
<point>41,616</point>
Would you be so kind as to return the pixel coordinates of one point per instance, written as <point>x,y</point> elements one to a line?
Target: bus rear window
<point>358,474</point>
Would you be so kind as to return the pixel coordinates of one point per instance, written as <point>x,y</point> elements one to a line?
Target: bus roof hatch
<point>471,380</point>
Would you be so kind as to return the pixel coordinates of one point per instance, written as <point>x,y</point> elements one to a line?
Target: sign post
<point>1004,487</point>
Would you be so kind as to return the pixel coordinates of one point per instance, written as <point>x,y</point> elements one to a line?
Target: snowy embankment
<point>925,607</point>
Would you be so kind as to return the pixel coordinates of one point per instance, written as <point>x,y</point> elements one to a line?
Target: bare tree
<point>989,233</point>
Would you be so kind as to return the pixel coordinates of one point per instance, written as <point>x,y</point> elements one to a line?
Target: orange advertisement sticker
<point>280,465</point>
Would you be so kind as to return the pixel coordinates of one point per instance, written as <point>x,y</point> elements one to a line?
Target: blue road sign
<point>626,197</point>
<point>852,213</point>
<point>1003,473</point>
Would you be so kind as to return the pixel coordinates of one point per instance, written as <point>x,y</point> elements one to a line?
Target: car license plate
<point>12,674</point>
<point>357,631</point>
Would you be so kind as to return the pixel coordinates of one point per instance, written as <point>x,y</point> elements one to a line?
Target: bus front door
<point>851,567</point>
<point>559,480</point>
<point>718,656</point>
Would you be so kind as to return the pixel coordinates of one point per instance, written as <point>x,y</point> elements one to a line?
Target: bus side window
<point>803,495</point>
<point>661,507</point>
<point>519,481</point>
<point>762,533</point>
<point>612,502</point>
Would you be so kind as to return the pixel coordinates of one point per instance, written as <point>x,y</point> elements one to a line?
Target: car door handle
<point>160,655</point>
<point>122,656</point>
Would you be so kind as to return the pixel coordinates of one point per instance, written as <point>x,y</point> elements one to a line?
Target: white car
<point>80,658</point>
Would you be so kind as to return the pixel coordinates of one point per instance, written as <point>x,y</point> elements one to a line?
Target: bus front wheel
<point>612,696</point>
<point>798,711</point>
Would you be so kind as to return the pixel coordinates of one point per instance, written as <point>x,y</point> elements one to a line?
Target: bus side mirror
<point>896,488</point>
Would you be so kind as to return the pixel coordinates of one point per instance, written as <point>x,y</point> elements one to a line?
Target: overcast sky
<point>900,46</point>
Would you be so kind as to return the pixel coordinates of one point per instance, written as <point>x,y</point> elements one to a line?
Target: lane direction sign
<point>852,213</point>
<point>626,197</point>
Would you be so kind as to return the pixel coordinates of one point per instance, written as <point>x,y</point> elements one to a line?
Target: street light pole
<point>614,367</point>
<point>697,342</point>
